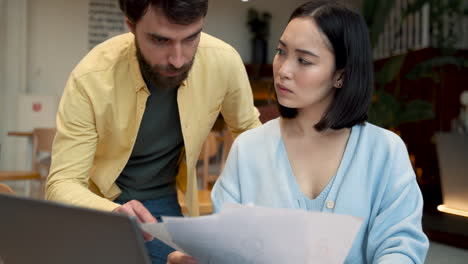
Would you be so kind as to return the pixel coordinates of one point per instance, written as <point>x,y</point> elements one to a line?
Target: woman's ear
<point>338,78</point>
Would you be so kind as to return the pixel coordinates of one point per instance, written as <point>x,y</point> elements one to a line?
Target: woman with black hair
<point>321,154</point>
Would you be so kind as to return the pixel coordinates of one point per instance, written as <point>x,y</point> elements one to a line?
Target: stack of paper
<point>251,234</point>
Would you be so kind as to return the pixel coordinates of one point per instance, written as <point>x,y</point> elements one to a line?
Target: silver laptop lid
<point>36,231</point>
<point>452,152</point>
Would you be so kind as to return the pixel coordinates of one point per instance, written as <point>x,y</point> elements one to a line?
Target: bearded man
<point>136,110</point>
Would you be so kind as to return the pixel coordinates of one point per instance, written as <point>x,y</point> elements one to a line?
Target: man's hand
<point>136,209</point>
<point>178,257</point>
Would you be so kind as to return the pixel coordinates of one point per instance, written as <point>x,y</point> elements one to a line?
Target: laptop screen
<point>37,231</point>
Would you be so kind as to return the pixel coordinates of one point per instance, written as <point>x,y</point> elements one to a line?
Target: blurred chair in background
<point>227,139</point>
<point>208,169</point>
<point>6,189</point>
<point>212,158</point>
<point>42,151</point>
<point>42,148</point>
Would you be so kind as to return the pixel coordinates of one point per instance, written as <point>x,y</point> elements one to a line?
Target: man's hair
<point>183,12</point>
<point>347,33</point>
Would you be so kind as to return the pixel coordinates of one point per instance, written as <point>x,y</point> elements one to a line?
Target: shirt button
<point>330,205</point>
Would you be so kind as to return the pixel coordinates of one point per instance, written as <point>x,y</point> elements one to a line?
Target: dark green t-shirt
<point>150,172</point>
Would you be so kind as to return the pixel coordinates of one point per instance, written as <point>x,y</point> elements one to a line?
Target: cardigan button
<point>330,204</point>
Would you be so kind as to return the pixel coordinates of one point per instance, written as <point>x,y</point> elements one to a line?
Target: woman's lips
<point>283,89</point>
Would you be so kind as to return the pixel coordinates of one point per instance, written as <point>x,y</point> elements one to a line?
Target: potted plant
<point>259,26</point>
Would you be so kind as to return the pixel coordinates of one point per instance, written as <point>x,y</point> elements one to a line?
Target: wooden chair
<point>209,170</point>
<point>42,147</point>
<point>6,189</point>
<point>209,151</point>
<point>228,139</point>
<point>204,202</point>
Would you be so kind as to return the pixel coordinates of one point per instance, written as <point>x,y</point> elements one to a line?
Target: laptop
<point>37,231</point>
<point>452,152</point>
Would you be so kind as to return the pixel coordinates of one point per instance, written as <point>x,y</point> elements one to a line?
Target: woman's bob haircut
<point>347,33</point>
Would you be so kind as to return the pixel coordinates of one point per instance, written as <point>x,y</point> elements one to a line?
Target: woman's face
<point>304,67</point>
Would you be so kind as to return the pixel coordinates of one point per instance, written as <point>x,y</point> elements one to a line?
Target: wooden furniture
<point>209,151</point>
<point>228,139</point>
<point>213,156</point>
<point>42,139</point>
<point>204,201</point>
<point>263,89</point>
<point>20,134</point>
<point>6,189</point>
<point>19,175</point>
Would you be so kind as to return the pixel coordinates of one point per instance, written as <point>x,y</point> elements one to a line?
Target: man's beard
<point>152,74</point>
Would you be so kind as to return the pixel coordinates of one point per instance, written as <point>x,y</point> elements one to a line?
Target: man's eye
<point>159,40</point>
<point>192,38</point>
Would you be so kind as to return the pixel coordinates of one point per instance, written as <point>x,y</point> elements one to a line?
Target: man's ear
<point>130,25</point>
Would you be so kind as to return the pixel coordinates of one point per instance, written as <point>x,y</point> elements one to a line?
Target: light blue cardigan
<point>375,181</point>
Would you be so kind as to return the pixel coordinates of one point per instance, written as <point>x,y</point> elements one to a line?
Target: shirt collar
<point>134,67</point>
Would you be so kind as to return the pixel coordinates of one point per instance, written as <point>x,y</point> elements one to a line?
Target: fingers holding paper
<point>136,209</point>
<point>178,257</point>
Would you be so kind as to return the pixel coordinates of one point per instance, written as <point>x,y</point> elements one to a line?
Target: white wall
<point>2,66</point>
<point>2,76</point>
<point>58,39</point>
<point>227,19</point>
<point>14,62</point>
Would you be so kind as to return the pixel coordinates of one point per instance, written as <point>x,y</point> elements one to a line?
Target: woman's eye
<point>304,62</point>
<point>279,51</point>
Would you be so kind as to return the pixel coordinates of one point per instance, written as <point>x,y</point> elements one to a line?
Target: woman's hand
<point>178,257</point>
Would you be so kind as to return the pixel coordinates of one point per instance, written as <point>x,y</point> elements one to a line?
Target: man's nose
<point>176,57</point>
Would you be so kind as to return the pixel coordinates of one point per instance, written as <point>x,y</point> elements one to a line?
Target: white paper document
<point>252,234</point>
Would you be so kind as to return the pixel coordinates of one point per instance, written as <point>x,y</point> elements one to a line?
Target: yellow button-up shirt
<point>103,104</point>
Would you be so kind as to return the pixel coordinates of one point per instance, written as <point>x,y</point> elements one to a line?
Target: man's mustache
<point>171,68</point>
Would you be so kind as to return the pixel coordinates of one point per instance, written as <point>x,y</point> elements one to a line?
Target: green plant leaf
<point>416,110</point>
<point>380,12</point>
<point>390,70</point>
<point>368,10</point>
<point>385,110</point>
<point>389,111</point>
<point>426,68</point>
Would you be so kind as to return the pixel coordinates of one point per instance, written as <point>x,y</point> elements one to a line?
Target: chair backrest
<point>209,150</point>
<point>228,139</point>
<point>6,189</point>
<point>42,143</point>
<point>210,147</point>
